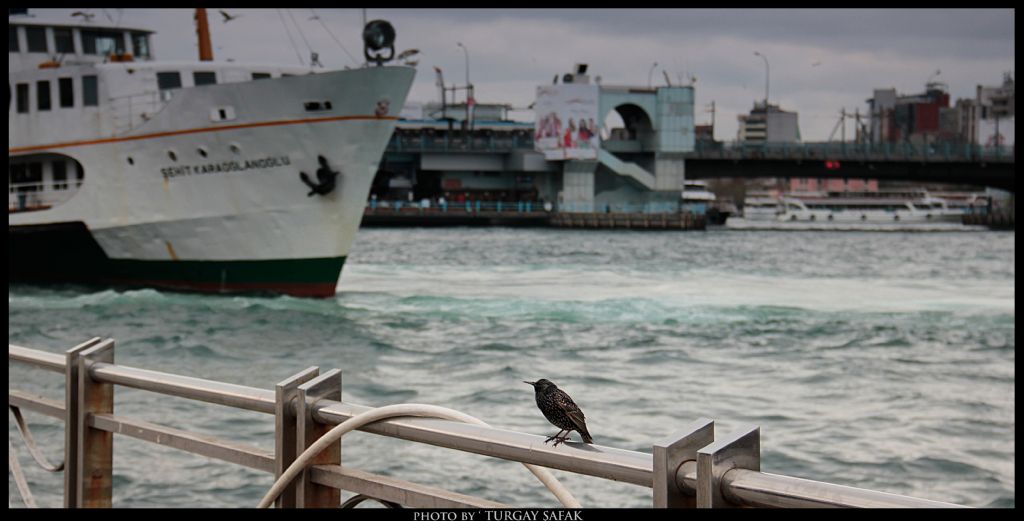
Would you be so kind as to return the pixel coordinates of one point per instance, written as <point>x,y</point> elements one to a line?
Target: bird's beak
<point>531,383</point>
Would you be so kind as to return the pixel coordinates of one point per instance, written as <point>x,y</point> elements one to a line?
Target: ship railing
<point>37,194</point>
<point>693,468</point>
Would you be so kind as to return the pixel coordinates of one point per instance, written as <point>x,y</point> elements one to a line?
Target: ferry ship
<point>828,210</point>
<point>202,176</point>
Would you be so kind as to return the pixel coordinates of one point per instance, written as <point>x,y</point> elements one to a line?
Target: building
<point>994,123</point>
<point>768,123</point>
<point>914,118</point>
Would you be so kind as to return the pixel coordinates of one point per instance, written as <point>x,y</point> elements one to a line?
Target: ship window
<point>260,75</point>
<point>204,78</point>
<point>17,177</point>
<point>60,175</point>
<point>22,97</point>
<point>12,44</point>
<point>67,92</point>
<point>168,80</point>
<point>90,91</point>
<point>62,37</point>
<point>36,37</point>
<point>43,95</point>
<point>140,44</point>
<point>102,42</point>
<point>34,177</point>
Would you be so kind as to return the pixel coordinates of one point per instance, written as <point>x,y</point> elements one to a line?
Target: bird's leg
<point>562,439</point>
<point>555,437</point>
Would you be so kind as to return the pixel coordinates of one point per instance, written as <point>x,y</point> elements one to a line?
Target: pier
<point>696,467</point>
<point>524,214</point>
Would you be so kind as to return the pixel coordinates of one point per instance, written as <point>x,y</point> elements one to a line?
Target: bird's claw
<point>558,439</point>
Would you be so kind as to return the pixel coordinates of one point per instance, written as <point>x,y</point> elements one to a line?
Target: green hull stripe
<point>280,271</point>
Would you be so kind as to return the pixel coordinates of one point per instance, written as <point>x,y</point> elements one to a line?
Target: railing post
<point>71,421</point>
<point>285,429</point>
<point>95,447</point>
<point>740,449</point>
<point>669,456</point>
<point>324,387</point>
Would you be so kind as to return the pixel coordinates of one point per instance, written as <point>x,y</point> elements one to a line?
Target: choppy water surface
<point>876,360</point>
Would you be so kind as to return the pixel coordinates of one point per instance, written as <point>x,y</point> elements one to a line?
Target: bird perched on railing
<point>560,410</point>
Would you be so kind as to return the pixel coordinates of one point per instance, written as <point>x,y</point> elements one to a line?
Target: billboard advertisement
<point>566,124</point>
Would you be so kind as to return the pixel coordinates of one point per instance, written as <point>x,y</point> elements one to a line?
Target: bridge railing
<point>852,151</point>
<point>696,467</point>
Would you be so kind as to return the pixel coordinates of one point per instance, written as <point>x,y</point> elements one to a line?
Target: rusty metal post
<point>324,387</point>
<point>71,421</point>
<point>739,450</point>
<point>95,447</point>
<point>670,454</point>
<point>285,428</point>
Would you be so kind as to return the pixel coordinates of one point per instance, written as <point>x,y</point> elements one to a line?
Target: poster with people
<point>566,123</point>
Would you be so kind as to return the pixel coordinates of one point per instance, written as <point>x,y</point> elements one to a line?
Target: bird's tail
<point>586,436</point>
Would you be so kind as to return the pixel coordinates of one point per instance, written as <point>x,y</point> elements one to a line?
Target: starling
<point>560,410</point>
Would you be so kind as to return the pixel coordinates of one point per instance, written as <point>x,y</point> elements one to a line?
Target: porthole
<point>130,160</point>
<point>172,155</point>
<point>813,217</point>
<point>895,217</point>
<point>235,148</point>
<point>202,151</point>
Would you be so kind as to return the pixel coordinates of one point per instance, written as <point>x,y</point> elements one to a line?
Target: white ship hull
<point>239,218</point>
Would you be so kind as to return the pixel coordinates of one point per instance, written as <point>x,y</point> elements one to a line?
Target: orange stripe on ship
<point>194,131</point>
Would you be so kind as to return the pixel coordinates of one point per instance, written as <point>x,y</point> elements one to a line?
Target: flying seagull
<point>228,17</point>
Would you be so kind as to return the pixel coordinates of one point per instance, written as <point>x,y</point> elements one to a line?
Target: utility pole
<point>842,119</point>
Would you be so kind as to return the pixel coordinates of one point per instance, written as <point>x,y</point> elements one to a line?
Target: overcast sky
<point>820,61</point>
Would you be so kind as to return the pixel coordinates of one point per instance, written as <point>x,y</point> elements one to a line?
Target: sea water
<point>876,360</point>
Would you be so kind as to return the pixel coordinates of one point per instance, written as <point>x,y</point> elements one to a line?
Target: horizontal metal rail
<point>740,486</point>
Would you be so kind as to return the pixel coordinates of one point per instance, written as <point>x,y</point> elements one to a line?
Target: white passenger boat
<point>205,176</point>
<point>835,210</point>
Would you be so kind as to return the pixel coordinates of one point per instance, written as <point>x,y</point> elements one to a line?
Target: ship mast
<point>203,30</point>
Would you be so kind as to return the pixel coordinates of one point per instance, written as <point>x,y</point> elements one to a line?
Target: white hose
<point>402,409</point>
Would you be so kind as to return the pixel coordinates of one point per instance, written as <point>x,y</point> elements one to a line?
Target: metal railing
<point>379,206</point>
<point>694,468</point>
<point>460,141</point>
<point>935,152</point>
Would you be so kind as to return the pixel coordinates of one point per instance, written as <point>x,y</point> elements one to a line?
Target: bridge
<point>940,163</point>
<point>936,163</point>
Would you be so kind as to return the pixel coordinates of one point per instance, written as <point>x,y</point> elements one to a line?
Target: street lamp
<point>649,73</point>
<point>467,61</point>
<point>766,76</point>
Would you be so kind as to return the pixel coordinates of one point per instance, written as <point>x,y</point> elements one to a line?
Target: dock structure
<point>997,220</point>
<point>524,214</point>
<point>696,467</point>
